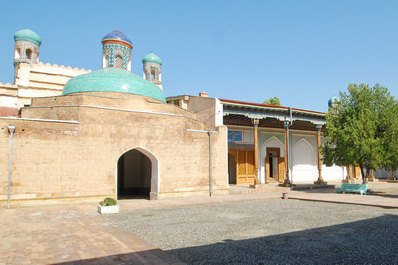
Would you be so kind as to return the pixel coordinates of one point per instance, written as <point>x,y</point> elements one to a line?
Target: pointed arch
<point>303,159</point>
<point>304,146</point>
<point>28,54</point>
<point>154,170</point>
<point>119,62</point>
<point>273,141</point>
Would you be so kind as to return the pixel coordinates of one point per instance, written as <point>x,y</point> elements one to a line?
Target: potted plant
<point>108,206</point>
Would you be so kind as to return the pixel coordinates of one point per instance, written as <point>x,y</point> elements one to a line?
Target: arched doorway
<point>272,160</point>
<point>137,175</point>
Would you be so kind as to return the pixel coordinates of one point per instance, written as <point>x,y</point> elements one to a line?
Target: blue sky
<point>303,52</point>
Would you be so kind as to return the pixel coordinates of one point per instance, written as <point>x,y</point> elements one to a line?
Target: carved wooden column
<point>286,153</point>
<point>255,125</point>
<point>320,180</point>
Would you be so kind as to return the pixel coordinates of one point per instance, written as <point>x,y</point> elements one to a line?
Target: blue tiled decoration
<point>112,50</point>
<point>116,44</point>
<point>117,35</point>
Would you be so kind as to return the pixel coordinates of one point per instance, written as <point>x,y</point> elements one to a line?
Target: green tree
<point>273,101</point>
<point>358,128</point>
<point>390,139</point>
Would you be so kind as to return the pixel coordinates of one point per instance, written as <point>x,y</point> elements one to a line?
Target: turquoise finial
<point>152,58</point>
<point>27,35</point>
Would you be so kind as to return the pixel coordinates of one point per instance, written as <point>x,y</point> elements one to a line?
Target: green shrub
<point>108,202</point>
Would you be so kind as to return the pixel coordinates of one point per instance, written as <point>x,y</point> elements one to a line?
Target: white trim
<point>310,133</point>
<point>273,130</point>
<point>201,131</point>
<point>219,113</point>
<point>226,155</point>
<point>43,120</point>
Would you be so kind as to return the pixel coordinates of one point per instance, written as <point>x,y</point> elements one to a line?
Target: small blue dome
<point>117,35</point>
<point>152,58</point>
<point>334,100</point>
<point>27,35</point>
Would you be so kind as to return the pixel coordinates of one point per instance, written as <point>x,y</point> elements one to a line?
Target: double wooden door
<point>244,166</point>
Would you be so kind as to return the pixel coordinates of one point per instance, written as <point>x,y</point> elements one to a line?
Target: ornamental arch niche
<point>137,174</point>
<point>272,166</point>
<point>303,158</point>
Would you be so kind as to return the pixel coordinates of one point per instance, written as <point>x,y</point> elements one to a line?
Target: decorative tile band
<point>118,56</point>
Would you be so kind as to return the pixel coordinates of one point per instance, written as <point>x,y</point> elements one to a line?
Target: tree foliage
<point>360,131</point>
<point>273,101</point>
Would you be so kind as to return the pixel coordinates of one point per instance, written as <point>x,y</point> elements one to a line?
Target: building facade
<point>82,134</point>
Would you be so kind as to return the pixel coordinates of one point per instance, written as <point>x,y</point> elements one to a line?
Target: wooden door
<point>275,154</point>
<point>244,166</point>
<point>281,169</point>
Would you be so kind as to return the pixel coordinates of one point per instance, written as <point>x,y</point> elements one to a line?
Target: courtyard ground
<point>270,232</point>
<point>230,229</point>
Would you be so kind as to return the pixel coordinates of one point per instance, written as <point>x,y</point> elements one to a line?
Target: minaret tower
<point>153,69</point>
<point>333,102</point>
<point>116,51</point>
<point>27,45</point>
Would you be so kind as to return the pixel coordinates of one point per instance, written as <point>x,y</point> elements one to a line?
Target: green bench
<point>353,188</point>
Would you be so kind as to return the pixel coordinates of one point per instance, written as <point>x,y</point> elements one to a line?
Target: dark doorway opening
<point>231,169</point>
<point>134,175</point>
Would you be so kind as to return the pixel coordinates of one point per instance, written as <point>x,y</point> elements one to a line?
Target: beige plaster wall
<point>59,160</point>
<point>42,80</point>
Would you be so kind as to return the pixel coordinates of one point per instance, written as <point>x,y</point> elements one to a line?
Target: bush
<point>108,202</point>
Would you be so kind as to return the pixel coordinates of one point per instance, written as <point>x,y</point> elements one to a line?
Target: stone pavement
<point>71,234</point>
<point>76,234</point>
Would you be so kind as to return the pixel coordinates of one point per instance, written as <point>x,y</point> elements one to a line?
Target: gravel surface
<point>270,232</point>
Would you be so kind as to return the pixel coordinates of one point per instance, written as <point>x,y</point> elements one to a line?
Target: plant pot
<point>108,209</point>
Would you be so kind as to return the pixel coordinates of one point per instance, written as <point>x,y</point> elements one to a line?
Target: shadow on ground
<point>388,193</point>
<point>154,256</point>
<point>371,241</point>
<point>382,194</point>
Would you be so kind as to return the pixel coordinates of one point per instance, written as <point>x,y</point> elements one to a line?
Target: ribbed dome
<point>117,35</point>
<point>152,58</point>
<point>333,100</point>
<point>27,35</point>
<point>113,80</point>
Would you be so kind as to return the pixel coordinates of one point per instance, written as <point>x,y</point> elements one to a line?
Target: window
<point>119,62</point>
<point>234,136</point>
<point>17,53</point>
<point>105,61</point>
<point>28,54</point>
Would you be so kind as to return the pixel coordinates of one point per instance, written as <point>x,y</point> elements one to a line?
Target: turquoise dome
<point>152,58</point>
<point>333,100</point>
<point>113,80</point>
<point>27,35</point>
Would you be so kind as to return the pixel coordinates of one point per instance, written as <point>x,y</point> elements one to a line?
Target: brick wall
<point>56,160</point>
